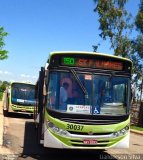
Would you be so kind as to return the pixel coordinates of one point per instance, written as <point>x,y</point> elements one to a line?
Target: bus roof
<point>88,53</point>
<point>22,83</point>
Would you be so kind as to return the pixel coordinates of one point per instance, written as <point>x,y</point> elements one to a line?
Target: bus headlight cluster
<point>56,129</point>
<point>121,132</point>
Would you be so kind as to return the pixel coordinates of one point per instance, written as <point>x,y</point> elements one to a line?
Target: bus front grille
<point>90,121</point>
<point>85,133</point>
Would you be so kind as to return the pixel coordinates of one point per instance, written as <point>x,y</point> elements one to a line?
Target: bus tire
<point>5,112</point>
<point>38,135</point>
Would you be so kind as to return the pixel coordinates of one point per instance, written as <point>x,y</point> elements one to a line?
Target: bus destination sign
<point>92,63</point>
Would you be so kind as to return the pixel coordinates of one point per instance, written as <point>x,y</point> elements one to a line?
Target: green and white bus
<point>19,97</point>
<point>93,110</point>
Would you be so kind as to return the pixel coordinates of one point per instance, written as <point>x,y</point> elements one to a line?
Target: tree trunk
<point>141,91</point>
<point>140,122</point>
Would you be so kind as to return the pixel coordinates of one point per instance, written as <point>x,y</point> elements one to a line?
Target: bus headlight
<point>56,129</point>
<point>121,132</point>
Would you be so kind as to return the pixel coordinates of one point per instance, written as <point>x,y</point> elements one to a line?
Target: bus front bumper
<point>52,141</point>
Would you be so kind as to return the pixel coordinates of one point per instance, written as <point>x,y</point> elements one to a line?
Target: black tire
<point>5,112</point>
<point>38,131</point>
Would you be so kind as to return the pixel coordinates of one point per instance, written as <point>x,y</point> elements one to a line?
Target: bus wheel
<point>5,112</point>
<point>38,135</point>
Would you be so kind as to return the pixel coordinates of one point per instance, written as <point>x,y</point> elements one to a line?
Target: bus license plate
<point>90,141</point>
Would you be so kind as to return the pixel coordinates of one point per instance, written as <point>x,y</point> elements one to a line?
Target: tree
<point>114,25</point>
<point>3,86</point>
<point>138,47</point>
<point>139,18</point>
<point>3,53</point>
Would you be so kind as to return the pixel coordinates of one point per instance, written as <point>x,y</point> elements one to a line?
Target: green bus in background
<point>19,97</point>
<point>83,101</point>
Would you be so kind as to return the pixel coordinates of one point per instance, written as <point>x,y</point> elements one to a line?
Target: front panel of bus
<point>22,97</point>
<point>87,106</point>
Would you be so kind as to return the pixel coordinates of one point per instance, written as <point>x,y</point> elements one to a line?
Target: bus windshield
<point>93,94</point>
<point>23,94</point>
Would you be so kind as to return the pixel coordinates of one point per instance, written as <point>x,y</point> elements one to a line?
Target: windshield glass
<point>106,94</point>
<point>23,94</point>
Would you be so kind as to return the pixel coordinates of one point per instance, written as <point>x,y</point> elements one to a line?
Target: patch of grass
<point>137,128</point>
<point>1,94</point>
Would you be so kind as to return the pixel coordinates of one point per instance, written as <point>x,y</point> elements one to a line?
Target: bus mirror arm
<point>44,89</point>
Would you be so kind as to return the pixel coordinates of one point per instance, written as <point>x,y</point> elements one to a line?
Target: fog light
<point>56,129</point>
<point>121,132</point>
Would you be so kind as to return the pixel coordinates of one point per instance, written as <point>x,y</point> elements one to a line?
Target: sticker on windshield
<point>96,110</point>
<point>85,109</point>
<point>88,77</point>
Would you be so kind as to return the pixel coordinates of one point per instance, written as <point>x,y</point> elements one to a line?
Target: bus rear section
<point>84,107</point>
<point>19,98</point>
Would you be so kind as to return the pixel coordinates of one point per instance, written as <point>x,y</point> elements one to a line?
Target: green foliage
<point>3,86</point>
<point>139,45</point>
<point>139,26</point>
<point>139,18</point>
<point>1,95</point>
<point>114,25</point>
<point>3,53</point>
<point>137,128</point>
<point>138,49</point>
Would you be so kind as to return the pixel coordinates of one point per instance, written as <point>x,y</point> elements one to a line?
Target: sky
<point>37,27</point>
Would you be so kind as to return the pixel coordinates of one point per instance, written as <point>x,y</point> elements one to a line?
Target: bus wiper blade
<point>79,82</point>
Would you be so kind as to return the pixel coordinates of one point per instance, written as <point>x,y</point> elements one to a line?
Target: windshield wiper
<point>79,82</point>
